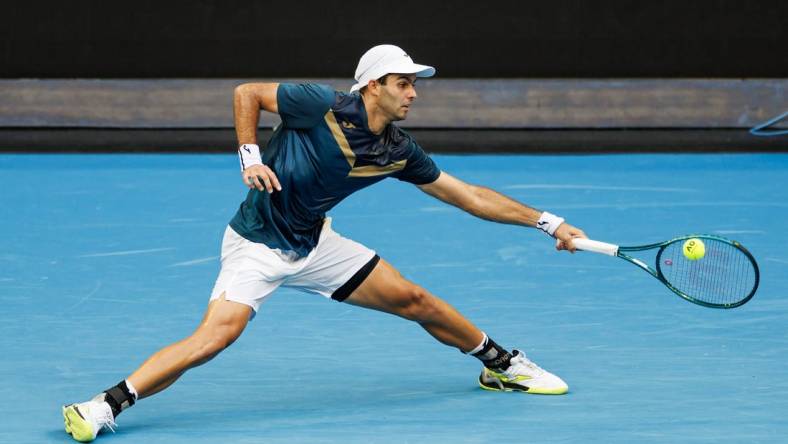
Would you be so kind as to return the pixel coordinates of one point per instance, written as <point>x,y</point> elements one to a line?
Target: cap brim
<point>428,71</point>
<point>410,68</point>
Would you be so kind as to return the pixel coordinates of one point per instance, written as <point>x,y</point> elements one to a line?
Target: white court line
<point>779,261</point>
<point>86,297</point>
<point>194,261</point>
<point>541,186</point>
<point>436,209</point>
<point>127,252</point>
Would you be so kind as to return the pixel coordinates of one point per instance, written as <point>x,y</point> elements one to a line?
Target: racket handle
<point>596,246</point>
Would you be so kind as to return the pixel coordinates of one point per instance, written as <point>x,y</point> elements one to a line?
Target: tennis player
<point>329,145</point>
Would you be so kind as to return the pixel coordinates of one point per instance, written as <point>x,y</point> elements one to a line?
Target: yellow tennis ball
<point>694,249</point>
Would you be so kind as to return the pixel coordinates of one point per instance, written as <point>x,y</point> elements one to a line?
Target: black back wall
<point>529,38</point>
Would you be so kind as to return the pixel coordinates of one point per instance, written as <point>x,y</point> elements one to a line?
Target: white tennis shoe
<point>523,376</point>
<point>85,420</point>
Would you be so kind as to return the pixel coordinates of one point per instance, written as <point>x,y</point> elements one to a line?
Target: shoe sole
<point>529,390</point>
<point>76,426</point>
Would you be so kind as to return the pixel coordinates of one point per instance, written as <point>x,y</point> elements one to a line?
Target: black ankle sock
<point>493,356</point>
<point>119,398</point>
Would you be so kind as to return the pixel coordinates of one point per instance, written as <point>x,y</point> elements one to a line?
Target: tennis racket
<point>725,276</point>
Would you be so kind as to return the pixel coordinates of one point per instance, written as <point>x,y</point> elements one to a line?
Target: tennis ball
<point>694,249</point>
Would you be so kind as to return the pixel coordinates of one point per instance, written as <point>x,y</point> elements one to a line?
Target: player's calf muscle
<point>172,361</point>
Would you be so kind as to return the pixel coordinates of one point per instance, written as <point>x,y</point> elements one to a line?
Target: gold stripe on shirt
<point>339,136</point>
<point>350,156</point>
<point>377,170</point>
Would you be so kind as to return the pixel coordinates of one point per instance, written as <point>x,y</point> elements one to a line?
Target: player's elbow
<point>261,95</point>
<point>243,91</point>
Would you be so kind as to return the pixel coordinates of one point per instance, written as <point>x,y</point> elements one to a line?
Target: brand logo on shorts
<point>348,125</point>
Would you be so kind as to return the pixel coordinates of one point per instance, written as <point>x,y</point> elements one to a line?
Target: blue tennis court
<point>107,258</point>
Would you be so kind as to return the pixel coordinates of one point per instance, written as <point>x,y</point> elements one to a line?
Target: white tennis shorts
<point>252,271</point>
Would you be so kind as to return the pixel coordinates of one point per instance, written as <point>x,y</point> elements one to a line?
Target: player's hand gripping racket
<point>707,270</point>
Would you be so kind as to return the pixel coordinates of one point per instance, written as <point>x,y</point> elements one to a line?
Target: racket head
<point>727,276</point>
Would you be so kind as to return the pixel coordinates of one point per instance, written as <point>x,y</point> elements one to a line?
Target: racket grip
<point>596,246</point>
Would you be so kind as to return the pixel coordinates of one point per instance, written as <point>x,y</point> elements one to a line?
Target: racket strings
<point>723,276</point>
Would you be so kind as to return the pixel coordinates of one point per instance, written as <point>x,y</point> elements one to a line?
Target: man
<point>329,145</point>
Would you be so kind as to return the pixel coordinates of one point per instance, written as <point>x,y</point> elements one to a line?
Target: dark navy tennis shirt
<point>322,152</point>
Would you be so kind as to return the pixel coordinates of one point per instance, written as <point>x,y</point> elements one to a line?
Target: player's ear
<point>373,87</point>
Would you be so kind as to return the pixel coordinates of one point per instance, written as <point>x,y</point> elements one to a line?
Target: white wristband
<point>249,154</point>
<point>549,222</point>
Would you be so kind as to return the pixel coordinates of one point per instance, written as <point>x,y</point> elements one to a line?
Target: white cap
<point>387,59</point>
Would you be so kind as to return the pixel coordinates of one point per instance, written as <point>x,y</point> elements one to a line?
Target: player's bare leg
<point>223,323</point>
<point>385,289</point>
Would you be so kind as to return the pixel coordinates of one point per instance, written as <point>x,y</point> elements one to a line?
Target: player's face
<point>397,95</point>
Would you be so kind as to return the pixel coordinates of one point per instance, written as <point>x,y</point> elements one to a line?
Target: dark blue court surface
<point>107,258</point>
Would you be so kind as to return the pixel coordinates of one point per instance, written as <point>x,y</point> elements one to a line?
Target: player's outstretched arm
<point>491,205</point>
<point>248,100</point>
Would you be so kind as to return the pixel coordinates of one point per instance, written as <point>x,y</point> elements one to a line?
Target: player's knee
<point>418,303</point>
<point>207,348</point>
<point>207,343</point>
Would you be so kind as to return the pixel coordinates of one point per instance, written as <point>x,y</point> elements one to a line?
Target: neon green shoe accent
<point>66,422</point>
<point>76,426</point>
<point>531,390</point>
<point>540,391</point>
<point>492,389</point>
